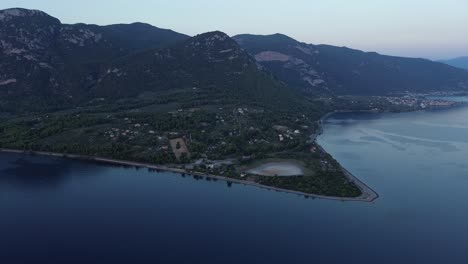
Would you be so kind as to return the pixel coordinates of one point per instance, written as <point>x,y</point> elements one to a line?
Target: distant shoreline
<point>367,194</point>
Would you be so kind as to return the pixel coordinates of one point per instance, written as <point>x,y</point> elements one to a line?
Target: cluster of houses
<point>436,103</point>
<point>411,101</point>
<point>285,132</point>
<point>117,133</point>
<point>403,101</point>
<point>134,131</point>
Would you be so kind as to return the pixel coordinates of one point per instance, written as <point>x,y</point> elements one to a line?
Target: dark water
<point>63,211</point>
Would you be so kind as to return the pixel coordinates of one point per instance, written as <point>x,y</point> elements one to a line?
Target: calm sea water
<point>63,211</point>
<point>451,98</point>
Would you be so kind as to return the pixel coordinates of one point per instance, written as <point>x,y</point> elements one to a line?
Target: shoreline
<point>367,192</point>
<point>368,195</point>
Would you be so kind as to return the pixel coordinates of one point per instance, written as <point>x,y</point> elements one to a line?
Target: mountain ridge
<point>77,63</point>
<point>48,63</point>
<point>325,69</point>
<point>210,63</point>
<point>459,62</point>
<point>44,59</point>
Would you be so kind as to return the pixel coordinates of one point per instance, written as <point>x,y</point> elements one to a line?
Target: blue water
<point>63,211</point>
<point>450,98</point>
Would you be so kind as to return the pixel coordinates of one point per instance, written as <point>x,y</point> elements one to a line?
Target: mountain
<point>324,69</point>
<point>205,68</point>
<point>460,62</point>
<point>84,42</point>
<point>47,65</point>
<point>42,58</point>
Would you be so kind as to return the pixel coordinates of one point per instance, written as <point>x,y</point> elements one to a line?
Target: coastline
<point>368,195</point>
<point>314,136</point>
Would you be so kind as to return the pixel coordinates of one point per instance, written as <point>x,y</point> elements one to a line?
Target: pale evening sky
<point>434,29</point>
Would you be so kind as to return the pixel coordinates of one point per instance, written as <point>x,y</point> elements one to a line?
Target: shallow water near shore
<point>56,210</point>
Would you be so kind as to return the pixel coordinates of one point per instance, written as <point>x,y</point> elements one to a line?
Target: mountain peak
<point>281,36</point>
<point>8,14</point>
<point>271,39</point>
<point>215,40</point>
<point>213,36</point>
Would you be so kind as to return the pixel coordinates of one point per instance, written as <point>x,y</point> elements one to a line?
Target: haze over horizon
<point>428,29</point>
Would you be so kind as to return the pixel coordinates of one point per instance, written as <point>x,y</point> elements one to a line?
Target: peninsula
<point>208,105</point>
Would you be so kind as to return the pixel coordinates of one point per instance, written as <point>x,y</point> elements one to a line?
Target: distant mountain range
<point>49,64</point>
<point>460,62</point>
<point>317,69</point>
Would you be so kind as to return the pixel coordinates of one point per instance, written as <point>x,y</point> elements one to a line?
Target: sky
<point>433,29</point>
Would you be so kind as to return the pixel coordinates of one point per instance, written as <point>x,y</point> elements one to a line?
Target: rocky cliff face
<point>41,57</point>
